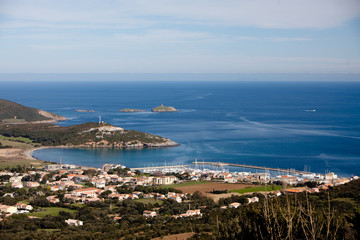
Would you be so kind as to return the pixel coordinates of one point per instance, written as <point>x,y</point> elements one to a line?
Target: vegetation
<point>183,184</point>
<point>163,108</point>
<point>262,188</point>
<point>53,211</point>
<point>11,112</point>
<point>52,135</point>
<point>331,214</point>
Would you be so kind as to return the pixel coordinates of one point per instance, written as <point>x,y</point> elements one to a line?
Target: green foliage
<point>258,189</point>
<point>52,135</point>
<point>13,112</point>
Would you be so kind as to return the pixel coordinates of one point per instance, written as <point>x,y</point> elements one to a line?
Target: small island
<point>163,108</point>
<point>82,110</point>
<point>131,110</point>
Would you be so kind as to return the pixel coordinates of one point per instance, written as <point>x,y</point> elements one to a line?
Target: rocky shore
<point>163,108</point>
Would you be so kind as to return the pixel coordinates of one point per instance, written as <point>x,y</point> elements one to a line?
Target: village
<point>70,184</point>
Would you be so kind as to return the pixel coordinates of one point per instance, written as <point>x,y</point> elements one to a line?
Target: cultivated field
<point>205,188</point>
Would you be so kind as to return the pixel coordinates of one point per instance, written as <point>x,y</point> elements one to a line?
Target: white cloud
<point>166,35</point>
<point>139,13</point>
<point>287,39</point>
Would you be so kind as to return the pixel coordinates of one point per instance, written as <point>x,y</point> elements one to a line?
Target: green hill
<point>88,135</point>
<point>14,113</point>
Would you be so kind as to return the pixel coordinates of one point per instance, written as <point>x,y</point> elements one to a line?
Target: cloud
<point>140,13</point>
<point>166,35</point>
<point>287,39</point>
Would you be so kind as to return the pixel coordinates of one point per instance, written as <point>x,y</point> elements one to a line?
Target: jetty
<point>161,167</point>
<point>221,164</point>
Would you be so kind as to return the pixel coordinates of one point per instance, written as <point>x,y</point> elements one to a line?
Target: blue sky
<point>187,36</point>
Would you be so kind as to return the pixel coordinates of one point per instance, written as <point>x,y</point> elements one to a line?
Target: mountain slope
<point>14,113</point>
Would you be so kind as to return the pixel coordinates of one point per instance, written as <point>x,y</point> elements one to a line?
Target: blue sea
<point>297,125</point>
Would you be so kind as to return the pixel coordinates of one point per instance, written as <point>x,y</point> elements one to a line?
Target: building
<point>234,205</point>
<point>98,183</point>
<point>32,184</point>
<point>52,167</point>
<point>74,222</point>
<point>86,192</point>
<point>164,180</point>
<point>253,199</point>
<point>8,209</point>
<point>23,206</point>
<point>148,213</point>
<point>17,185</point>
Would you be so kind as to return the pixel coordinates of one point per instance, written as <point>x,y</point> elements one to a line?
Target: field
<point>16,155</point>
<point>233,188</point>
<point>54,211</point>
<point>183,184</point>
<point>258,189</point>
<point>149,200</point>
<point>206,187</point>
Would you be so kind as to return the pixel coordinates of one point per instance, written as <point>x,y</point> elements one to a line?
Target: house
<point>52,167</point>
<point>195,212</point>
<point>32,184</point>
<point>86,192</point>
<point>53,199</point>
<point>292,190</point>
<point>176,198</point>
<point>330,176</point>
<point>164,180</point>
<point>7,209</point>
<point>148,213</point>
<point>14,179</point>
<point>99,183</point>
<point>253,199</point>
<point>74,222</point>
<point>23,206</point>
<point>17,185</point>
<point>234,205</point>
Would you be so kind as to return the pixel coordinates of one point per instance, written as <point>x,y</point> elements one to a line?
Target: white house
<point>234,205</point>
<point>8,209</point>
<point>74,222</point>
<point>148,213</point>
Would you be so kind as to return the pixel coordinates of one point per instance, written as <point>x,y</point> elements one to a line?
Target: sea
<point>312,126</point>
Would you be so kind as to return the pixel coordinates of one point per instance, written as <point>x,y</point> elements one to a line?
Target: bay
<point>315,125</point>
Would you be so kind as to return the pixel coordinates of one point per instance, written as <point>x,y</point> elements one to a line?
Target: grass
<point>183,184</point>
<point>13,120</point>
<point>347,200</point>
<point>77,205</point>
<point>22,139</point>
<point>148,200</point>
<point>54,211</point>
<point>258,189</point>
<point>18,142</point>
<point>50,230</point>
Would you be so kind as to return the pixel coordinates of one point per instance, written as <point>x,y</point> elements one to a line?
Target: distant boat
<point>311,110</point>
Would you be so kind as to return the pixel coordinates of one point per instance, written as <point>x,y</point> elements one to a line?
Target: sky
<point>187,36</point>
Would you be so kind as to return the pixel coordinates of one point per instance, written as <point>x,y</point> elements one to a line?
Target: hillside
<point>14,113</point>
<point>85,135</point>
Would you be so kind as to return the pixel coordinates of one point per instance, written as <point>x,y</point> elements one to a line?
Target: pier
<point>161,167</point>
<point>220,164</point>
